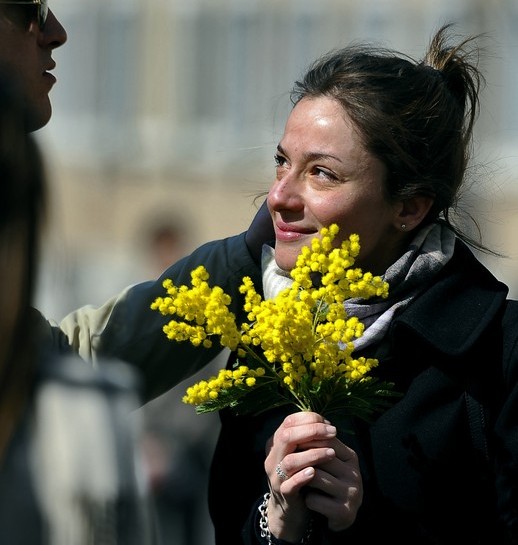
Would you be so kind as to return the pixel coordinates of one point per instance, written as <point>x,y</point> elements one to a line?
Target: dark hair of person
<point>22,204</point>
<point>417,117</point>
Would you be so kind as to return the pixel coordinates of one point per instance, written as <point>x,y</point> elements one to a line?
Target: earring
<point>403,226</point>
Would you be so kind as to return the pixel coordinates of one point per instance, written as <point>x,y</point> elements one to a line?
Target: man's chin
<point>37,120</point>
<point>38,114</point>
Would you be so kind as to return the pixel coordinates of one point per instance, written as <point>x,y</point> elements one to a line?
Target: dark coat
<point>430,477</point>
<point>426,479</point>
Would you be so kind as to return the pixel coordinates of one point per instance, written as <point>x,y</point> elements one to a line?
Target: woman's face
<point>325,175</point>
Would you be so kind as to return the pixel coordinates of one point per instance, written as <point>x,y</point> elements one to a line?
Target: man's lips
<point>50,65</point>
<point>46,72</point>
<point>50,78</point>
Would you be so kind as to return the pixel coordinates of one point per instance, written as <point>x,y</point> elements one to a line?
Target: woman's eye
<point>321,173</point>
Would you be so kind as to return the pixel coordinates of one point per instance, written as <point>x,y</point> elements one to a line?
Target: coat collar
<point>453,312</point>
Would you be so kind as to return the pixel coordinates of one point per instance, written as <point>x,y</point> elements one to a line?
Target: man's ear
<point>412,212</point>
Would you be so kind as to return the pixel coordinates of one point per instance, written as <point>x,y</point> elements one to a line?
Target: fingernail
<point>330,452</point>
<point>331,430</point>
<point>309,472</point>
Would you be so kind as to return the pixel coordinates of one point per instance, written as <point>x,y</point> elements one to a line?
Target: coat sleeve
<point>126,328</point>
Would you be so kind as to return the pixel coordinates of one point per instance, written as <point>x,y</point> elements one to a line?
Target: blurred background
<point>166,117</point>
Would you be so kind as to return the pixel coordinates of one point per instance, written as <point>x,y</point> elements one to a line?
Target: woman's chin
<point>286,260</point>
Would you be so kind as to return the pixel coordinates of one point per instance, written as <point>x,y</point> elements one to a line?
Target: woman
<point>378,144</point>
<point>69,469</point>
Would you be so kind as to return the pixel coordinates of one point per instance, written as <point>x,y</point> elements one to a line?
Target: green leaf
<point>247,400</point>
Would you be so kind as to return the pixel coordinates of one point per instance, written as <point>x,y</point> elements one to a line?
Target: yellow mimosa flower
<point>295,348</point>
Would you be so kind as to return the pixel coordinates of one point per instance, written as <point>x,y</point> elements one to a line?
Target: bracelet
<point>263,523</point>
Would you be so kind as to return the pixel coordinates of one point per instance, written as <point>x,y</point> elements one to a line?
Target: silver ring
<point>280,472</point>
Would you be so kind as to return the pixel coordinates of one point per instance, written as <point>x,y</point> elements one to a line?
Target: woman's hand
<point>309,469</point>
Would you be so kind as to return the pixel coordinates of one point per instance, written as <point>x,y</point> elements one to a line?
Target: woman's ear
<point>412,212</point>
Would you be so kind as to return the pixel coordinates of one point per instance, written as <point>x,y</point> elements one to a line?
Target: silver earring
<point>403,226</point>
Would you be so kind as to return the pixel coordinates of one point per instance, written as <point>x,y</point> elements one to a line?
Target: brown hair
<point>417,117</point>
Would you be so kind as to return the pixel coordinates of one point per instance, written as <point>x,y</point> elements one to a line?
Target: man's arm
<point>126,328</point>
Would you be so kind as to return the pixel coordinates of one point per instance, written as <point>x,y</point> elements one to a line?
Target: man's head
<point>27,40</point>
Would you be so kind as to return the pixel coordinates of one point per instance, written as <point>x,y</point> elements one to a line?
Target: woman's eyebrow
<point>312,156</point>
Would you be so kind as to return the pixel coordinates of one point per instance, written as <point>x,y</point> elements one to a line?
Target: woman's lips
<point>289,233</point>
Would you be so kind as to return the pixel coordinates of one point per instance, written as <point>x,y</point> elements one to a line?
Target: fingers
<point>340,470</point>
<point>345,461</point>
<point>297,461</point>
<point>339,510</point>
<point>301,441</point>
<point>310,469</point>
<point>334,468</point>
<point>297,430</point>
<point>297,469</point>
<point>296,482</point>
<point>336,490</point>
<point>339,506</point>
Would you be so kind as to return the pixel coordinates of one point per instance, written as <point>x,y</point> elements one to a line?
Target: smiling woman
<point>379,143</point>
<point>325,175</point>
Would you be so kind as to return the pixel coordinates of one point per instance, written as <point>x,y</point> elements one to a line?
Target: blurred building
<point>173,108</point>
<point>171,105</point>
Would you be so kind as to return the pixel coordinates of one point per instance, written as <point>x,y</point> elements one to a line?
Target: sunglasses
<point>41,5</point>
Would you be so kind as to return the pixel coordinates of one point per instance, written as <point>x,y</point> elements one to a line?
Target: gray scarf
<point>429,251</point>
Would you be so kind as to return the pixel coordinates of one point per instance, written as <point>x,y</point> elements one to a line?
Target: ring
<point>280,472</point>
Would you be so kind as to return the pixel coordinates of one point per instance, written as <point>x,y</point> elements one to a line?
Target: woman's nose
<point>285,193</point>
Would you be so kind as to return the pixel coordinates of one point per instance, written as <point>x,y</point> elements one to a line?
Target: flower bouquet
<point>295,348</point>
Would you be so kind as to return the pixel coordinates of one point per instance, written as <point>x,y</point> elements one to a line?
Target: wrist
<point>280,536</point>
